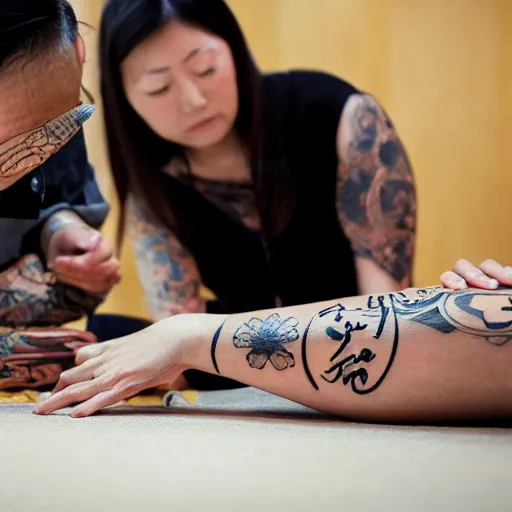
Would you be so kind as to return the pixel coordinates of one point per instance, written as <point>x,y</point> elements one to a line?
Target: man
<point>50,205</point>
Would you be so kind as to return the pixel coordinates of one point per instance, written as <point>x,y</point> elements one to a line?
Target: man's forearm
<point>419,355</point>
<point>29,297</point>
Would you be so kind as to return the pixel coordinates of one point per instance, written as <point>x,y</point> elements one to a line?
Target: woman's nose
<point>192,97</point>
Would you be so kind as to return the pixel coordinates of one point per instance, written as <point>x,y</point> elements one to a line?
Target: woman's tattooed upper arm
<point>376,194</point>
<point>167,271</point>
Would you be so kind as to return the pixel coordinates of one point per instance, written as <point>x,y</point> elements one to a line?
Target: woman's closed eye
<point>208,72</point>
<point>160,91</point>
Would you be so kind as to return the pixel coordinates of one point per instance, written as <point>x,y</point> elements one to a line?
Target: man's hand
<point>79,255</point>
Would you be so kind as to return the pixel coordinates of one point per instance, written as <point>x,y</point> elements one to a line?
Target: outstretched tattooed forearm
<point>167,271</point>
<point>400,355</point>
<point>376,196</point>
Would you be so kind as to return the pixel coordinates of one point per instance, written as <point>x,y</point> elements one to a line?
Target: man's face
<point>40,111</point>
<point>24,153</point>
<point>23,161</point>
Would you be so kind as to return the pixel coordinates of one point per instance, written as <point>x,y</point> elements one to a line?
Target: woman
<point>276,189</point>
<point>50,204</point>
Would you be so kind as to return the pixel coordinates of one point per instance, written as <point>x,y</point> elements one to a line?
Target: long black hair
<point>136,153</point>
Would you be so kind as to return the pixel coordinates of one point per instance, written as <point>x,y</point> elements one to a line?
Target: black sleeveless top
<point>311,260</point>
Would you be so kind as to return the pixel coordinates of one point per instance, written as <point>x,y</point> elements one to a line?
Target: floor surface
<point>245,451</point>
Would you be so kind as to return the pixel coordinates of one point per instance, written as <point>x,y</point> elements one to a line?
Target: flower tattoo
<point>266,338</point>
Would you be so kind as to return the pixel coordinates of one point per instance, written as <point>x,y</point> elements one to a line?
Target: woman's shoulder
<point>305,103</point>
<point>309,85</point>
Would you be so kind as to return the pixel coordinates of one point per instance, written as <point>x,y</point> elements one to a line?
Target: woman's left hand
<point>110,372</point>
<point>489,275</point>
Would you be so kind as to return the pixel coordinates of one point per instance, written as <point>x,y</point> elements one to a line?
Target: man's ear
<point>80,49</point>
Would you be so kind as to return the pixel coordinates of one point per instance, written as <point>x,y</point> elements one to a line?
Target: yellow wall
<point>442,69</point>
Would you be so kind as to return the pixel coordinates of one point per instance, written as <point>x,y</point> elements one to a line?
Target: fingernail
<point>459,282</point>
<point>493,283</point>
<point>508,272</point>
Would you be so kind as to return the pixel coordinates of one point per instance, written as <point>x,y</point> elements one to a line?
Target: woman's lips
<point>203,124</point>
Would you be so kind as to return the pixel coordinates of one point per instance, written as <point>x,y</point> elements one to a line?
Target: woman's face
<point>182,82</point>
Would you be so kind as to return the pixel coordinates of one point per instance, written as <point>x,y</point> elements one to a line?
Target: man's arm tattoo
<point>376,196</point>
<point>31,297</point>
<point>34,357</point>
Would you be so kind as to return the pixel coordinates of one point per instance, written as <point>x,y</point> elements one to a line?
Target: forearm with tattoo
<point>376,195</point>
<point>167,272</point>
<point>434,345</point>
<point>31,297</point>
